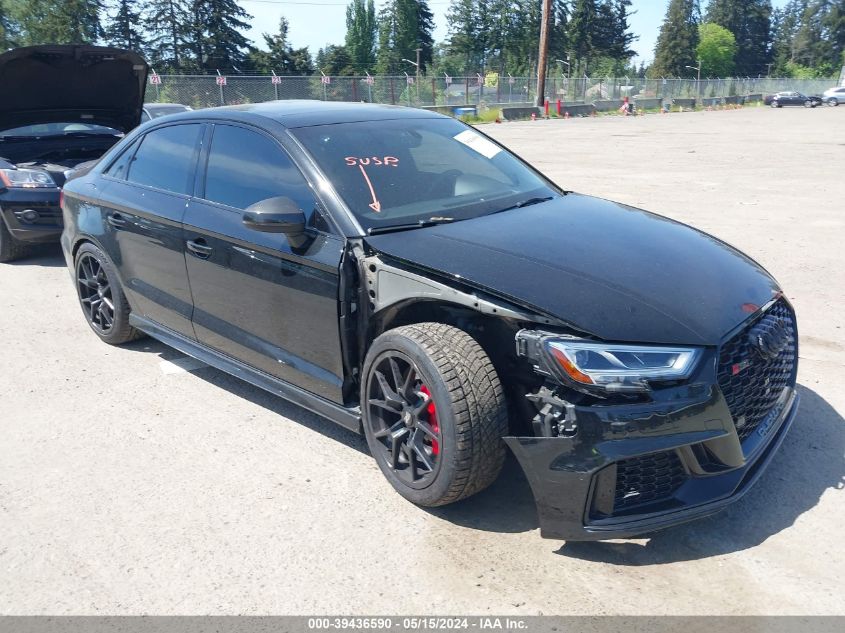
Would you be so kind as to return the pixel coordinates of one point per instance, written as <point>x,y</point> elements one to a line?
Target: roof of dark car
<point>304,113</point>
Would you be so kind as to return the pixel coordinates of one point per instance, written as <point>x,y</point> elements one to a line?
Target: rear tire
<point>101,297</point>
<point>775,104</point>
<point>10,248</point>
<point>434,413</point>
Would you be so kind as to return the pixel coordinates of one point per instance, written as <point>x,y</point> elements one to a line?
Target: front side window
<point>245,167</point>
<point>166,158</point>
<point>408,171</point>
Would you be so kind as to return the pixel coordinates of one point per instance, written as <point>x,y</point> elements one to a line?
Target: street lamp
<point>416,64</point>
<point>698,80</point>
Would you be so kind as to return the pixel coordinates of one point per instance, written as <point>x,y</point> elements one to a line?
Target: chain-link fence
<point>202,91</point>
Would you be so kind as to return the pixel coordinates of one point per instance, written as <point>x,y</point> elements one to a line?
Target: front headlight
<point>26,178</point>
<point>621,367</point>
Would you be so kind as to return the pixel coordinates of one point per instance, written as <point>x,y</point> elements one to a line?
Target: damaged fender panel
<point>388,285</point>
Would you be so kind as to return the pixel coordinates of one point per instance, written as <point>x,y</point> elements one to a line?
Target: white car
<point>834,96</point>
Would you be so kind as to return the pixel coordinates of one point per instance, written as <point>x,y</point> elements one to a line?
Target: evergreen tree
<point>466,37</point>
<point>7,29</point>
<point>57,21</point>
<point>166,23</point>
<point>123,29</point>
<point>785,25</point>
<point>404,26</point>
<point>216,38</point>
<point>281,57</point>
<point>361,33</point>
<point>751,23</point>
<point>582,31</point>
<point>677,40</point>
<point>334,60</point>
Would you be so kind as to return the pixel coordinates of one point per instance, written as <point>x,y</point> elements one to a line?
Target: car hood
<point>618,273</point>
<point>90,84</point>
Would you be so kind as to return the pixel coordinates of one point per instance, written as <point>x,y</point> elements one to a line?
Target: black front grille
<point>752,375</point>
<point>647,479</point>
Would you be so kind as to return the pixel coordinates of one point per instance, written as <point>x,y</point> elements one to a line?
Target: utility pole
<point>542,57</point>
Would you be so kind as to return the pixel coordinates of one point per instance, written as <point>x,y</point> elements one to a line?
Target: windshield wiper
<point>410,226</point>
<point>524,203</point>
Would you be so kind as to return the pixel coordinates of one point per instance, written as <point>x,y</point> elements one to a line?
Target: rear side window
<point>245,167</point>
<point>166,158</point>
<point>120,166</point>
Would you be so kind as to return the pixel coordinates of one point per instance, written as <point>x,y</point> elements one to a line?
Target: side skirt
<point>348,418</point>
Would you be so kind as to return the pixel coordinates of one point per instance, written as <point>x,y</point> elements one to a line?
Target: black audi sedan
<point>61,106</point>
<point>780,99</point>
<point>403,275</point>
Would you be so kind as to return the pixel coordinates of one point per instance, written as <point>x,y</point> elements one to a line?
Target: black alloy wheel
<point>403,419</point>
<point>434,413</point>
<point>101,297</point>
<point>95,293</point>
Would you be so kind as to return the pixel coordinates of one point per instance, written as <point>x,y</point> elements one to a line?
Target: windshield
<point>60,129</point>
<point>407,171</point>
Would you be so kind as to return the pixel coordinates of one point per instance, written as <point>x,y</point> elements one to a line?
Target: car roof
<point>304,113</point>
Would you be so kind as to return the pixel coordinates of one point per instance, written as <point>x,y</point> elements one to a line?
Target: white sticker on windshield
<point>478,143</point>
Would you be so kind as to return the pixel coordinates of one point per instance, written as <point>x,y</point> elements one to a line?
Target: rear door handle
<point>199,248</point>
<point>116,220</point>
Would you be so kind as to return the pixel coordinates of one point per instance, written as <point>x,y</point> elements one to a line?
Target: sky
<point>315,23</point>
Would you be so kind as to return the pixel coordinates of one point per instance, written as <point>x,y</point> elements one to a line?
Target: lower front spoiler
<point>563,487</point>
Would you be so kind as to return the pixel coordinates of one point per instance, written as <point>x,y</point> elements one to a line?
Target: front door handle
<point>116,220</point>
<point>199,248</point>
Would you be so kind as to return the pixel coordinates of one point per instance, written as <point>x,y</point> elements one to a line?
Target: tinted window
<point>166,158</point>
<point>119,167</point>
<point>245,167</point>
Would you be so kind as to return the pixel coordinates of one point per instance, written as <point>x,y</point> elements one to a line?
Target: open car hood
<point>619,273</point>
<point>88,84</point>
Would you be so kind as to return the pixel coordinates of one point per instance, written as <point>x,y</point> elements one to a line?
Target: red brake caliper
<point>432,419</point>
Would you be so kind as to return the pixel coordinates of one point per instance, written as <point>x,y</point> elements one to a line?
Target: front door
<point>257,297</point>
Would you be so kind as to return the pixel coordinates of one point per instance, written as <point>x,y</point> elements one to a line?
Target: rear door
<point>257,297</point>
<point>144,203</point>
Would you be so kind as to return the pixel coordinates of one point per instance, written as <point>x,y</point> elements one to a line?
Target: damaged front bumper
<point>638,468</point>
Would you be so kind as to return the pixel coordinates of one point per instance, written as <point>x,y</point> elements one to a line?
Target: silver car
<point>834,96</point>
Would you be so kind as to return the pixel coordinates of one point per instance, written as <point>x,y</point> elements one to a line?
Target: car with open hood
<point>407,277</point>
<point>62,106</point>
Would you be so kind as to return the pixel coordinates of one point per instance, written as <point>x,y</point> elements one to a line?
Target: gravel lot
<point>129,485</point>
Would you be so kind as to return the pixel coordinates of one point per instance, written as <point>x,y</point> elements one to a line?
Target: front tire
<point>10,248</point>
<point>775,104</point>
<point>101,297</point>
<point>434,413</point>
<point>809,104</point>
<point>833,102</point>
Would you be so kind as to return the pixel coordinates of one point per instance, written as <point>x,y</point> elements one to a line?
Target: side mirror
<point>275,215</point>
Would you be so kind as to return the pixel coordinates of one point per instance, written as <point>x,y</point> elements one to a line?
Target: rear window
<point>166,158</point>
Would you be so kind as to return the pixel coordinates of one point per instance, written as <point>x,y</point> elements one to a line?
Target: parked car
<point>155,110</point>
<point>834,96</point>
<point>62,106</point>
<point>780,99</point>
<point>402,274</point>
